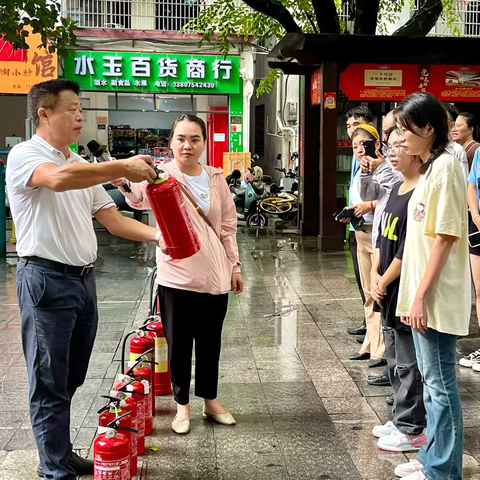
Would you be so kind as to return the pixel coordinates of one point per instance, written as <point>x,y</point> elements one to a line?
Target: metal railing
<point>166,15</point>
<point>464,21</point>
<point>173,15</point>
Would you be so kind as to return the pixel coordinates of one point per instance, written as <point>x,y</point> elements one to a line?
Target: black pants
<point>59,323</point>
<point>352,244</point>
<point>189,316</point>
<point>409,414</point>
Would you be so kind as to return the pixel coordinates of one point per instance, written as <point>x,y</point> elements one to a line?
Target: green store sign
<point>154,72</point>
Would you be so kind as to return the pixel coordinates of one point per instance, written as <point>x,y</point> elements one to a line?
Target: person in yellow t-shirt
<point>434,295</point>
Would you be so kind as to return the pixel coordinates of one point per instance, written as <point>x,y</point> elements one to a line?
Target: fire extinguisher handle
<point>114,423</point>
<point>124,388</point>
<point>111,401</point>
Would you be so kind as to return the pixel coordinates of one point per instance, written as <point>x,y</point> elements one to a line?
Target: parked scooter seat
<point>258,187</point>
<point>274,189</point>
<point>239,192</point>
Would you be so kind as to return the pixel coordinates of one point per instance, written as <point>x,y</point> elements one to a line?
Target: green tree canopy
<point>43,17</point>
<point>268,20</point>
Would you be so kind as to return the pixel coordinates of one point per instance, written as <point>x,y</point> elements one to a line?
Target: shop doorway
<point>127,124</point>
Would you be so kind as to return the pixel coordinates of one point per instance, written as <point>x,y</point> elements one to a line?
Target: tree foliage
<point>268,20</point>
<point>43,16</point>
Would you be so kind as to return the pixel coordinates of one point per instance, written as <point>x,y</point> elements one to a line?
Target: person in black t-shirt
<point>406,432</point>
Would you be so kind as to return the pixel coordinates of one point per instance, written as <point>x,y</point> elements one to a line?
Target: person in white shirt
<point>454,148</point>
<point>53,195</point>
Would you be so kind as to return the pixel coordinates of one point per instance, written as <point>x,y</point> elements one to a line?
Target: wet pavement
<point>303,409</point>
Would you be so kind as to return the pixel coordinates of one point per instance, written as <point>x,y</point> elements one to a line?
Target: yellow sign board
<point>20,70</point>
<point>383,78</point>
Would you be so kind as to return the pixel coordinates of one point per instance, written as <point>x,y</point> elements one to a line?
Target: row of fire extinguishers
<point>127,417</point>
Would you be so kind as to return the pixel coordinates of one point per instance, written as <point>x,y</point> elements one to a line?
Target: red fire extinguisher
<point>168,205</point>
<point>111,453</point>
<point>136,389</point>
<point>111,412</point>
<point>141,344</point>
<point>140,370</point>
<point>131,406</point>
<point>163,384</point>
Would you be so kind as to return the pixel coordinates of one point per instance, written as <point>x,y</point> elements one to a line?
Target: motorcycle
<point>247,196</point>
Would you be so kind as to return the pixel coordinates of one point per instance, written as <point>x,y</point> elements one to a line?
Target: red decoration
<point>455,83</point>
<point>379,82</point>
<point>9,54</point>
<point>316,87</point>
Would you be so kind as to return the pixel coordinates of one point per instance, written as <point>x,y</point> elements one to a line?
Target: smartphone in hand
<point>370,148</point>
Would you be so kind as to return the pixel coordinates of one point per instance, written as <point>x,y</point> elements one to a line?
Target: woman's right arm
<point>137,198</point>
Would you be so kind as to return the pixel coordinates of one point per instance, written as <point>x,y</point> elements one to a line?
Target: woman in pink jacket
<point>194,291</point>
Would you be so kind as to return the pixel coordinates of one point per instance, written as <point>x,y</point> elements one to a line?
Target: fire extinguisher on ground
<point>112,411</point>
<point>163,384</point>
<point>141,344</point>
<point>111,452</point>
<point>136,390</point>
<point>140,370</point>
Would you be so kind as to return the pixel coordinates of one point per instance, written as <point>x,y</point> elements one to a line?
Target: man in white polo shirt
<point>53,195</point>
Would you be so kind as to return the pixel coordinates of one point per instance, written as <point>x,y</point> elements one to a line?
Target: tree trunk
<point>366,14</point>
<point>274,9</point>
<point>423,20</point>
<point>327,16</point>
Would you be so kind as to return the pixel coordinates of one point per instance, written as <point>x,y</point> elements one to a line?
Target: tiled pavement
<point>303,410</point>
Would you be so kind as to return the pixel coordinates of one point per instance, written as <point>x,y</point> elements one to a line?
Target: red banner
<point>375,82</point>
<point>455,83</point>
<point>316,87</point>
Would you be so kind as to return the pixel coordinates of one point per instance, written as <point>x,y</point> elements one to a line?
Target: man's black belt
<point>60,267</point>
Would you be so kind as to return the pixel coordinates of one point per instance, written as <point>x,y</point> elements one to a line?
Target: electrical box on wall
<point>292,112</point>
<point>12,141</point>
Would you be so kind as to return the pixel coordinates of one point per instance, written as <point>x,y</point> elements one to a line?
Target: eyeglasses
<point>387,150</point>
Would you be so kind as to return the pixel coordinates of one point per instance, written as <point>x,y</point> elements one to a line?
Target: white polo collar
<point>42,142</point>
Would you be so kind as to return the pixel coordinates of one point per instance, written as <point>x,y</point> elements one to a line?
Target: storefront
<point>130,100</point>
<point>20,70</point>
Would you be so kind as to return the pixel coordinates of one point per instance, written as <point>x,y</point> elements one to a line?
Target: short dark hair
<point>45,95</point>
<point>419,110</point>
<point>189,118</point>
<point>452,111</point>
<point>360,112</point>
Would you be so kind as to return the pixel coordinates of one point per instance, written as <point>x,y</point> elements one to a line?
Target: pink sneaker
<point>416,476</point>
<point>407,469</point>
<point>399,442</point>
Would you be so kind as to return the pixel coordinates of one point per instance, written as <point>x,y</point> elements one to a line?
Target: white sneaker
<point>476,367</point>
<point>416,476</point>
<point>470,360</point>
<point>407,469</point>
<point>399,442</point>
<point>383,430</point>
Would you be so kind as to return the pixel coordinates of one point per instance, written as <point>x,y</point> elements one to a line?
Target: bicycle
<point>280,203</point>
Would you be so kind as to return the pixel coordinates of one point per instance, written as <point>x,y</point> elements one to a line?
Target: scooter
<point>289,183</point>
<point>247,197</point>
